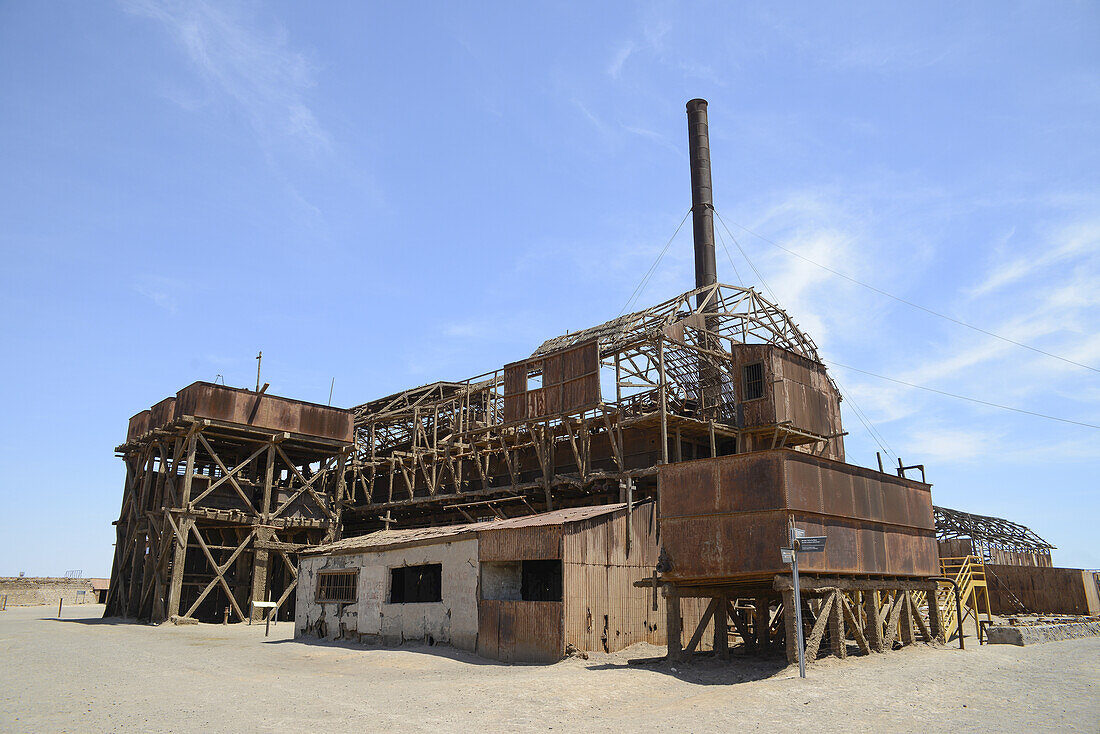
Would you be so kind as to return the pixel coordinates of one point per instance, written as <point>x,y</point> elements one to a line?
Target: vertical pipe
<point>702,200</point>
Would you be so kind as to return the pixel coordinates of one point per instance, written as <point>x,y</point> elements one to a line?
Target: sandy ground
<point>83,673</point>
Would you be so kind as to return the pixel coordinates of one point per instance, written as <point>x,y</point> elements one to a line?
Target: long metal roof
<point>387,539</point>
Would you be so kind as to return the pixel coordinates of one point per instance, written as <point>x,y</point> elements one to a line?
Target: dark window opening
<point>541,581</point>
<point>753,380</point>
<point>337,586</point>
<point>416,584</point>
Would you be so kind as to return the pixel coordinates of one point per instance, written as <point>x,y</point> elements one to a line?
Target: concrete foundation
<point>1035,633</point>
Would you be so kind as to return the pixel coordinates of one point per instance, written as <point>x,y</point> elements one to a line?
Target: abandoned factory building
<point>518,589</point>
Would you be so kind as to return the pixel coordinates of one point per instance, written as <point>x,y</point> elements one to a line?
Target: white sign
<point>812,545</point>
<point>788,555</point>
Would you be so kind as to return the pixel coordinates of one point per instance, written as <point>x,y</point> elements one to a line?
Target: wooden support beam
<point>918,618</point>
<point>673,625</point>
<point>853,622</point>
<point>739,624</point>
<point>762,623</point>
<point>905,620</point>
<point>721,617</point>
<point>790,628</point>
<point>893,620</point>
<point>837,635</point>
<point>818,631</point>
<point>712,607</point>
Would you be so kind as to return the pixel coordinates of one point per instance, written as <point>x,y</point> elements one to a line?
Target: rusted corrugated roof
<point>382,539</point>
<point>385,539</point>
<point>555,517</point>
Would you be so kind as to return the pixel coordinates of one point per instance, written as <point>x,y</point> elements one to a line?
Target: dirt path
<point>87,674</point>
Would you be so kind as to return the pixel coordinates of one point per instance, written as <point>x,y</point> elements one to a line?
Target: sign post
<point>800,543</point>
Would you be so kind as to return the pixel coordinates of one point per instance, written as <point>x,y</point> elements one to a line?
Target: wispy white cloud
<point>162,292</point>
<point>615,68</point>
<point>256,68</point>
<point>1053,248</point>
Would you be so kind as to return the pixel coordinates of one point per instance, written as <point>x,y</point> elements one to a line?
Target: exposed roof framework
<point>744,316</point>
<point>988,531</point>
<point>586,412</point>
<point>733,313</point>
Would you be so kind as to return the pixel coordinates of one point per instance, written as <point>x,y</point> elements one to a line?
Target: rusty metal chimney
<point>702,200</point>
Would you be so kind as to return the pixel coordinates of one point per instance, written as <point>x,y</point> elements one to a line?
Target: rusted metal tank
<point>138,426</point>
<point>162,413</point>
<point>725,519</point>
<point>245,407</point>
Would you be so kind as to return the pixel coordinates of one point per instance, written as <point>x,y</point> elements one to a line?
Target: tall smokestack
<point>702,201</point>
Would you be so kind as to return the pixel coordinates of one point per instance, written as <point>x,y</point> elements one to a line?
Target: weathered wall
<point>1042,590</point>
<point>28,591</point>
<point>501,580</point>
<point>371,617</point>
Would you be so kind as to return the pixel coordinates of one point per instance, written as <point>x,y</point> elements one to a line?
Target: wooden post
<point>873,627</point>
<point>790,626</point>
<point>935,621</point>
<point>175,586</point>
<point>837,636</point>
<point>662,390</point>
<point>629,513</point>
<point>721,628</point>
<point>906,623</point>
<point>673,624</point>
<point>761,623</point>
<point>261,565</point>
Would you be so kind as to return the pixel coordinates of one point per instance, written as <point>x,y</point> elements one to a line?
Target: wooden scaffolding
<point>212,515</point>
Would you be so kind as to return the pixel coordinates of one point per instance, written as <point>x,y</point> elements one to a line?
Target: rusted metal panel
<point>527,543</point>
<point>234,405</point>
<point>723,546</point>
<point>744,486</point>
<point>570,383</point>
<point>1042,589</point>
<point>139,425</point>
<point>695,488</point>
<point>162,413</point>
<point>726,518</point>
<point>520,631</point>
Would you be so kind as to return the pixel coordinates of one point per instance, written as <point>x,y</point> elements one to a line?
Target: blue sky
<point>389,194</point>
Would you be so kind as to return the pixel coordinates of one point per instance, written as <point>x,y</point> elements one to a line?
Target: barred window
<point>752,380</point>
<point>416,584</point>
<point>338,586</point>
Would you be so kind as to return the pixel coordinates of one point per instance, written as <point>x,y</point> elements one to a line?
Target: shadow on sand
<point>419,648</point>
<point>97,620</point>
<point>703,668</point>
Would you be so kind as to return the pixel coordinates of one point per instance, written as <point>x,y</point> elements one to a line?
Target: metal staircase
<point>968,573</point>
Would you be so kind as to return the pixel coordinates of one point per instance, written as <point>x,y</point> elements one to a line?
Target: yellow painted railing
<point>968,573</point>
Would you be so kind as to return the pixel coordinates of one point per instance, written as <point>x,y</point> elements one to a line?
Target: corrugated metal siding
<point>603,608</point>
<point>529,543</point>
<point>520,631</point>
